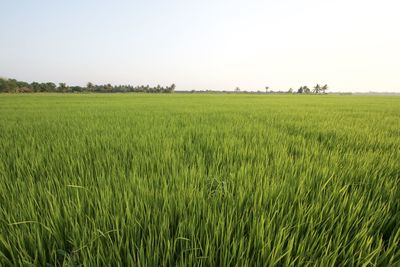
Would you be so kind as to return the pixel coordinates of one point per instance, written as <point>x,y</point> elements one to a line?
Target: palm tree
<point>317,89</point>
<point>266,89</point>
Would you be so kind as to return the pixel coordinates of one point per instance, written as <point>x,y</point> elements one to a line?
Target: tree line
<point>318,89</point>
<point>14,86</point>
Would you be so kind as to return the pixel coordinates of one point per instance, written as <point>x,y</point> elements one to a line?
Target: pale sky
<point>352,45</point>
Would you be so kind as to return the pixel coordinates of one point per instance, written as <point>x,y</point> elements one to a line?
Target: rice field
<point>199,180</point>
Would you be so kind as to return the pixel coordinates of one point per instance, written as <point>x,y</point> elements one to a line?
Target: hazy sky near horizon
<point>352,45</point>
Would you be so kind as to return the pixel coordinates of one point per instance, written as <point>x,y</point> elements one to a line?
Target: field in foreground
<point>211,180</point>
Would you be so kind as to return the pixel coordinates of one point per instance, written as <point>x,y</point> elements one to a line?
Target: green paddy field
<point>199,180</point>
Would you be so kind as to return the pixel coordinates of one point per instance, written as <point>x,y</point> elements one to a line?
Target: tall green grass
<point>199,180</point>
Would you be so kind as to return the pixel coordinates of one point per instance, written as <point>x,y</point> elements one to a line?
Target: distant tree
<point>41,87</point>
<point>157,89</point>
<point>324,88</point>
<point>76,89</point>
<point>306,90</point>
<point>36,87</point>
<point>290,91</point>
<point>62,87</point>
<point>237,89</point>
<point>23,84</point>
<point>50,87</point>
<point>172,88</point>
<point>108,88</point>
<point>300,90</point>
<point>317,89</point>
<point>12,85</point>
<point>266,89</point>
<point>90,87</point>
<point>3,85</point>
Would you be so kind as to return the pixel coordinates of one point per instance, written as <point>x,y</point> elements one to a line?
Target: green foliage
<point>316,90</point>
<point>300,90</point>
<point>14,86</point>
<point>3,85</point>
<point>8,85</point>
<point>199,180</point>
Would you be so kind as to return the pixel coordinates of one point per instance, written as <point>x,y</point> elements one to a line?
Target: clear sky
<point>352,45</point>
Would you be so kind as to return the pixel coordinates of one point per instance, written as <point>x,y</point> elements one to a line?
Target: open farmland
<point>209,180</point>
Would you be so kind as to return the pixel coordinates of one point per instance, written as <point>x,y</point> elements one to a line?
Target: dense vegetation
<point>212,180</point>
<point>14,86</point>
